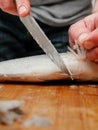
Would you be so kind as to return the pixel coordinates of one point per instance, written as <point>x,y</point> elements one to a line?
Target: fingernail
<point>22,10</point>
<point>82,38</point>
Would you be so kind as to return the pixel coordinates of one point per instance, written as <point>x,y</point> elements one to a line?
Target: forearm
<point>95,6</point>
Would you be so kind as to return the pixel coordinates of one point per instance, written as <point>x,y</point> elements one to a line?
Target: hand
<point>85,32</point>
<point>9,6</point>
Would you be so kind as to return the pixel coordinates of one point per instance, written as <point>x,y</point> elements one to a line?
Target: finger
<point>76,30</point>
<point>8,6</point>
<point>23,7</point>
<point>85,26</point>
<point>92,40</point>
<point>93,54</point>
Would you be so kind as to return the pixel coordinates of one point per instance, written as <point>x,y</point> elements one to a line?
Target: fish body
<point>41,68</point>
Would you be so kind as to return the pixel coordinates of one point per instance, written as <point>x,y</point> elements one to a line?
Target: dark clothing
<point>15,40</point>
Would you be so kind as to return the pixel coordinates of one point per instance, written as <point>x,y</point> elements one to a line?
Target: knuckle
<point>71,29</point>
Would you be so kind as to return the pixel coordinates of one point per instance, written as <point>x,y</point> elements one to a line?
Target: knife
<point>42,40</point>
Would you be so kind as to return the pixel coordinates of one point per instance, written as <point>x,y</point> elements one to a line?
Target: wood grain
<point>68,107</point>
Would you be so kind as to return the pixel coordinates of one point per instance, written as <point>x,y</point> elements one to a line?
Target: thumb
<point>23,7</point>
<point>78,32</point>
<point>82,38</point>
<point>91,41</point>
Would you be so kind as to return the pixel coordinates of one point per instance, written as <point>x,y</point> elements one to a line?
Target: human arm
<point>9,6</point>
<point>85,32</point>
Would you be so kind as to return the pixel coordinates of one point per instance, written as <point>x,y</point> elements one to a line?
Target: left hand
<point>85,32</point>
<point>9,6</point>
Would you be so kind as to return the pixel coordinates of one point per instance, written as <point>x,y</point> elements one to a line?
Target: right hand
<point>85,33</point>
<point>16,7</point>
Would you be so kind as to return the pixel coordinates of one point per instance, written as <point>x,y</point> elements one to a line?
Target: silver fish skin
<point>40,68</point>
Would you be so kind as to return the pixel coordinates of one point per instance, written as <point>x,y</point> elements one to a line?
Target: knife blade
<point>43,41</point>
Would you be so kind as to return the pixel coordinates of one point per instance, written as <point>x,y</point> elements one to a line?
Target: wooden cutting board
<point>68,107</point>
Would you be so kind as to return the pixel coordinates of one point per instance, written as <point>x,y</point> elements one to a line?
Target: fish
<point>40,68</point>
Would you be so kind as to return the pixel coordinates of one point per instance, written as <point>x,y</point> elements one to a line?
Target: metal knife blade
<point>42,40</point>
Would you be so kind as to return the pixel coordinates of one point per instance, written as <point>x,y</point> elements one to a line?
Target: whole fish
<point>40,68</point>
